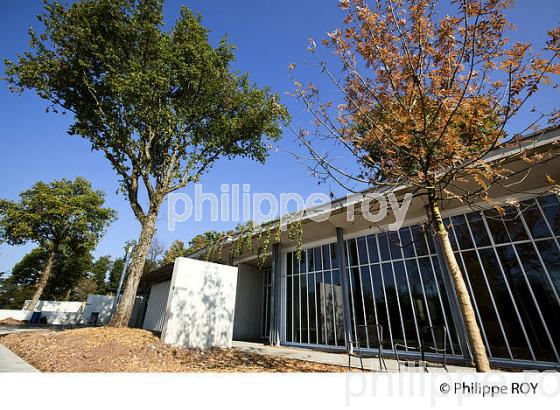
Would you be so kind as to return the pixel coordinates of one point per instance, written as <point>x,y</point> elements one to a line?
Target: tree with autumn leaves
<point>426,97</point>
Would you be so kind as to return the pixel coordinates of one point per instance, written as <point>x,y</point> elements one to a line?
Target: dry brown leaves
<point>106,349</point>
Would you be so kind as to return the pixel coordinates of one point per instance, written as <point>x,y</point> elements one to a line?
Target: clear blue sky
<point>269,34</point>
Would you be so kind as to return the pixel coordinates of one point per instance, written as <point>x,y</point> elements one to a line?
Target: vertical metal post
<point>345,288</point>
<point>275,297</point>
<point>121,280</point>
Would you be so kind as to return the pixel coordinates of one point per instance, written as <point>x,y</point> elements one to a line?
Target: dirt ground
<point>105,349</point>
<point>10,321</point>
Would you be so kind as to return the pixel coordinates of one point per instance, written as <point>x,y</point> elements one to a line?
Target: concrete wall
<point>55,306</point>
<point>65,313</point>
<point>62,318</point>
<point>201,303</point>
<point>248,303</point>
<point>15,314</point>
<point>53,318</point>
<point>98,303</point>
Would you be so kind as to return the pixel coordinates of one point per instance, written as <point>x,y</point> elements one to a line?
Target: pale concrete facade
<point>200,306</point>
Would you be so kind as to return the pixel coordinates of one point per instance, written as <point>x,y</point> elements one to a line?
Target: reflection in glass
<point>511,269</point>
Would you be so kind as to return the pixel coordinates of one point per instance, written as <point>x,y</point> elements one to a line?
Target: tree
<point>202,240</point>
<point>85,286</point>
<point>176,250</point>
<point>19,285</point>
<point>155,254</point>
<point>425,99</point>
<point>115,275</point>
<point>70,267</point>
<point>61,216</point>
<point>99,272</point>
<point>162,106</point>
<point>72,264</point>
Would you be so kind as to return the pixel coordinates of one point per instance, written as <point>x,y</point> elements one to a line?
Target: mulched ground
<point>10,321</point>
<point>106,349</point>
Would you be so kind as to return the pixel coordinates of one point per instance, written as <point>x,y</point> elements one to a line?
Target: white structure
<point>100,304</point>
<point>200,306</point>
<point>56,306</point>
<point>54,312</point>
<point>21,315</point>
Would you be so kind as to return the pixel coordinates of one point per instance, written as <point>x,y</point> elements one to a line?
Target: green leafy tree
<point>70,267</point>
<point>63,215</point>
<point>19,285</point>
<point>162,105</point>
<point>72,264</point>
<point>176,250</point>
<point>203,240</point>
<point>115,275</point>
<point>99,271</point>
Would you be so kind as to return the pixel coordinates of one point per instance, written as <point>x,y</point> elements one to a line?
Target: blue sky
<point>269,35</point>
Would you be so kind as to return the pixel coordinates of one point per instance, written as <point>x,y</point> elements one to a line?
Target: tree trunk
<point>45,276</point>
<point>465,304</point>
<point>135,270</point>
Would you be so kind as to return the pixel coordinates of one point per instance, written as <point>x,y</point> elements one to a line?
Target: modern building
<point>352,273</point>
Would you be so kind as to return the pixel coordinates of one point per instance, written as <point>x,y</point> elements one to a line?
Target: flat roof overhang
<point>320,222</point>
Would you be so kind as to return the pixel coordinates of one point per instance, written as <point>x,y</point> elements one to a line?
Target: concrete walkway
<point>12,363</point>
<point>5,330</point>
<point>337,359</point>
<point>9,361</point>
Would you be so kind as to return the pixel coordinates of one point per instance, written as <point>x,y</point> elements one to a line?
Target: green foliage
<point>115,275</point>
<point>71,266</point>
<point>63,212</point>
<point>99,273</point>
<point>176,250</point>
<point>66,219</point>
<point>203,240</point>
<point>295,233</point>
<point>162,106</point>
<point>19,286</point>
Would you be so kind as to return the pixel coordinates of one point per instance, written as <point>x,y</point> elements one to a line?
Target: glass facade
<point>396,282</point>
<point>314,312</point>
<point>510,262</point>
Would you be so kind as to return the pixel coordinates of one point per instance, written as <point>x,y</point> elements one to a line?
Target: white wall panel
<point>201,305</point>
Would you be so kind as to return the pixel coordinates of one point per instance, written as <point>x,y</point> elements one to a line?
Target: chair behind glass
<point>433,339</point>
<point>374,336</point>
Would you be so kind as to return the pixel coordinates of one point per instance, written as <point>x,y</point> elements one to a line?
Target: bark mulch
<point>105,349</point>
<point>10,321</point>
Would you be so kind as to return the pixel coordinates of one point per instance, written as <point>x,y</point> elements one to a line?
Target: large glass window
<point>511,265</point>
<point>407,292</point>
<point>314,313</point>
